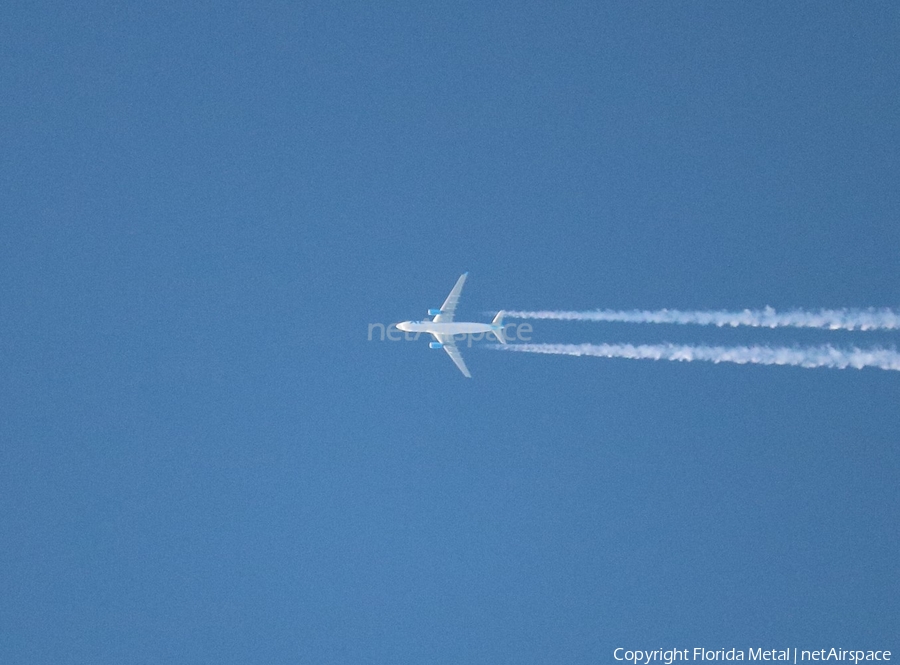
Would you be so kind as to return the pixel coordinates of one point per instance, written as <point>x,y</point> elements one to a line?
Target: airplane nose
<point>402,326</point>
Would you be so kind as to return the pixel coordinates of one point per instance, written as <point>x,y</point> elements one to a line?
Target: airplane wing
<point>449,306</point>
<point>450,347</point>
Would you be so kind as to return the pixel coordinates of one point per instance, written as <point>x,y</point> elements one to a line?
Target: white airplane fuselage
<point>460,328</point>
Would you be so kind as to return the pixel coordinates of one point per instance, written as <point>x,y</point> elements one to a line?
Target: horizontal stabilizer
<point>497,327</point>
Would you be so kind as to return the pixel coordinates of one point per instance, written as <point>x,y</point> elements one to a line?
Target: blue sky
<point>204,205</point>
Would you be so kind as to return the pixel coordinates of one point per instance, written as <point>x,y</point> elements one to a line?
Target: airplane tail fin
<point>497,327</point>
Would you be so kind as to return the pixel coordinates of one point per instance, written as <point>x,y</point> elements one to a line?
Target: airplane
<point>443,328</point>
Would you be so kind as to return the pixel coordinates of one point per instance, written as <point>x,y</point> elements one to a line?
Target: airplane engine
<point>435,345</point>
<point>433,312</point>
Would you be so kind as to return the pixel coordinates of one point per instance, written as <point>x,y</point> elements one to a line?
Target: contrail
<point>831,319</point>
<point>814,356</point>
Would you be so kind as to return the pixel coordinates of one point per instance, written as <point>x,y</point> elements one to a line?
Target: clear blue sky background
<point>204,205</point>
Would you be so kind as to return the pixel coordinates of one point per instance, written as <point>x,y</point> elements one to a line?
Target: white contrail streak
<point>814,356</point>
<point>831,319</point>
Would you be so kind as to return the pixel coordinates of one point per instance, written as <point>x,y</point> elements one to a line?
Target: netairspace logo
<point>514,332</point>
<point>790,655</point>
